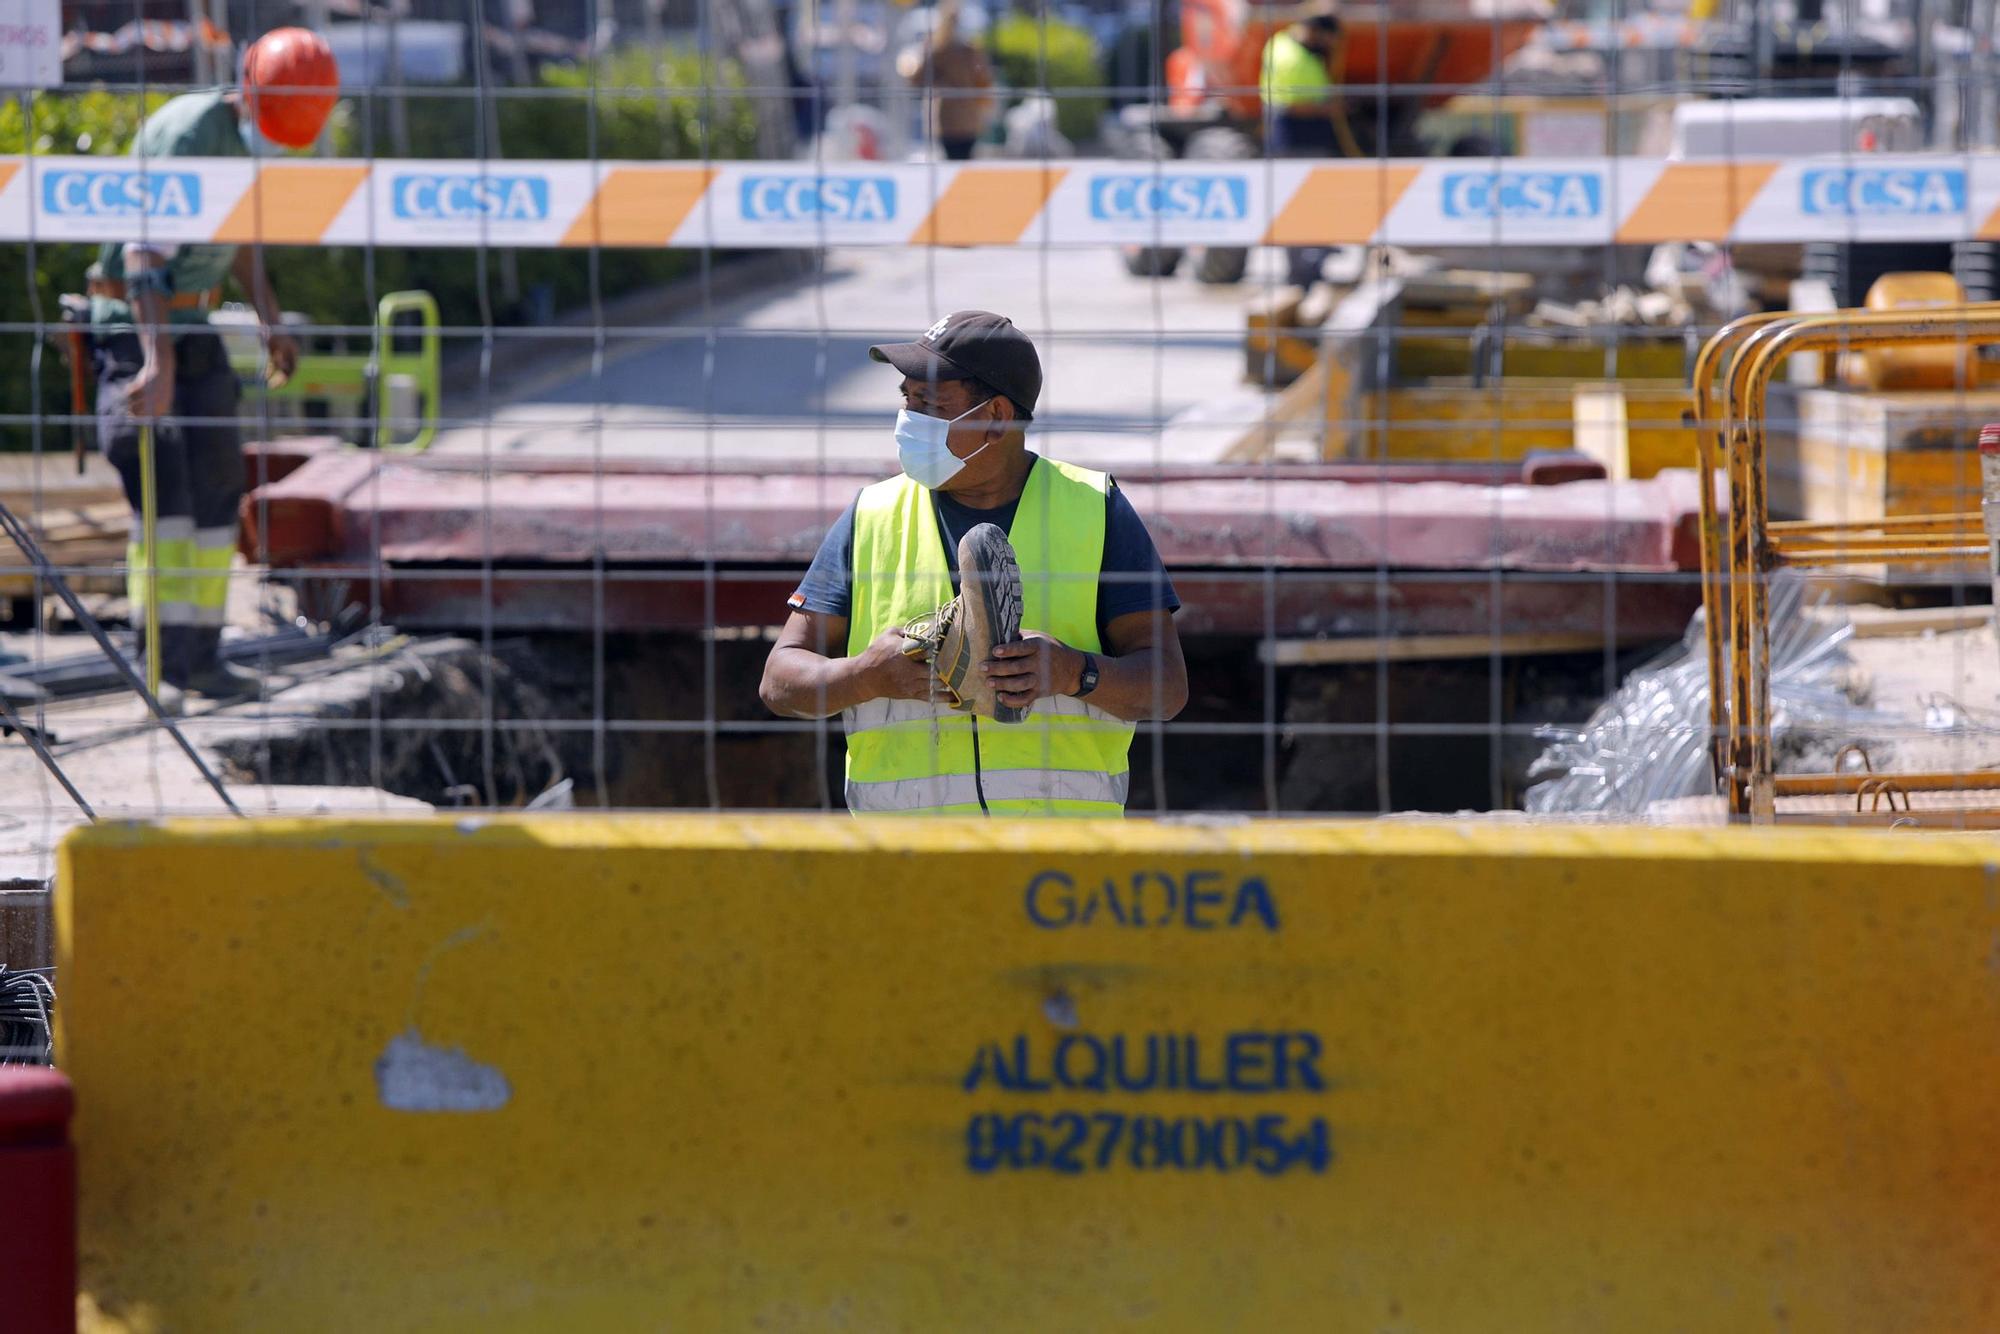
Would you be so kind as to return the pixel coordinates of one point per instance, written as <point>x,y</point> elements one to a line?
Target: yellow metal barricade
<point>1743,547</point>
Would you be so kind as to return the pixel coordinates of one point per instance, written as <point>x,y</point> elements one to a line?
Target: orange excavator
<point>1396,60</point>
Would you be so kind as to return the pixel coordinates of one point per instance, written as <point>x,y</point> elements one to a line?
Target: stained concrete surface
<point>1943,690</point>
<point>129,768</point>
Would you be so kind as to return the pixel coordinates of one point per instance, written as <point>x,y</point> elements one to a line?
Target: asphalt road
<point>784,374</point>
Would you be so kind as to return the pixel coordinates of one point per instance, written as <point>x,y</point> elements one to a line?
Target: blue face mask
<point>254,140</point>
<point>923,446</point>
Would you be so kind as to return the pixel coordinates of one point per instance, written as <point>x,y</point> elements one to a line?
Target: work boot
<point>173,701</point>
<point>204,672</point>
<point>961,634</point>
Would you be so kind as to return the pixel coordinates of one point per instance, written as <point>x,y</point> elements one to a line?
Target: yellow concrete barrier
<point>733,1074</point>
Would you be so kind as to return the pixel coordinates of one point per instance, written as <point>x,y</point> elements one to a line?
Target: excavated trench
<point>666,721</point>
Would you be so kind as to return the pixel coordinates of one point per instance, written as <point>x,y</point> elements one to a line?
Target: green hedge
<point>340,286</point>
<point>1017,46</point>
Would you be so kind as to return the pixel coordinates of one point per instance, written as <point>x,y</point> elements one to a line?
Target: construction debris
<point>1479,294</point>
<point>27,1000</point>
<point>1649,742</point>
<point>1623,308</point>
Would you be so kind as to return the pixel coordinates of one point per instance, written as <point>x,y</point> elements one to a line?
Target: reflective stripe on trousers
<point>193,572</point>
<point>940,790</point>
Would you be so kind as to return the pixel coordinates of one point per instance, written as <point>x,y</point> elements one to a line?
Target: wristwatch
<point>1086,680</point>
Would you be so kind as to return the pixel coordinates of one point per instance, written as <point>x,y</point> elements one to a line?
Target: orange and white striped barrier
<point>1429,202</point>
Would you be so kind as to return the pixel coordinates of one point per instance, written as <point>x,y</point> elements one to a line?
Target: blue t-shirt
<point>1131,579</point>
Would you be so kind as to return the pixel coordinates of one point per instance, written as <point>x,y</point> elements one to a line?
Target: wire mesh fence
<point>1384,320</point>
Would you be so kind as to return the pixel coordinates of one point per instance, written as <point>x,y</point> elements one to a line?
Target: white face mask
<point>924,448</point>
<point>254,140</point>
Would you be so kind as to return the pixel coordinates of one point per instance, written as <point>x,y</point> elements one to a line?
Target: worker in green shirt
<point>1301,101</point>
<point>160,364</point>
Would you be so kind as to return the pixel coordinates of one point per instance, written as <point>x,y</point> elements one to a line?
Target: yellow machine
<point>1443,367</point>
<point>1446,367</point>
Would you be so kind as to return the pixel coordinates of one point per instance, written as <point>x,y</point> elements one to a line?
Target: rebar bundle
<point>27,1000</point>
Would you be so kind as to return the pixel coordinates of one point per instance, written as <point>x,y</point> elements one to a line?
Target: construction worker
<point>1017,695</point>
<point>160,365</point>
<point>1303,109</point>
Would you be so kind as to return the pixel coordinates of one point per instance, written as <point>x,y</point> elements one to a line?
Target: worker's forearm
<point>149,307</point>
<point>265,301</point>
<point>156,343</point>
<point>256,285</point>
<point>799,683</point>
<point>1139,686</point>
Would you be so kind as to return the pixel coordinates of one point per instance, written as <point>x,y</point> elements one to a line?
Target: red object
<point>1989,438</point>
<point>37,1202</point>
<point>275,460</point>
<point>450,543</point>
<point>364,506</point>
<point>1553,467</point>
<point>1431,54</point>
<point>292,82</point>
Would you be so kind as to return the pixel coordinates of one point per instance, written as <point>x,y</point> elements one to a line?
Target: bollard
<point>1989,504</point>
<point>149,541</point>
<point>37,1202</point>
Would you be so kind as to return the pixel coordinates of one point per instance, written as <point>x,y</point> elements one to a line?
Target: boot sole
<point>989,584</point>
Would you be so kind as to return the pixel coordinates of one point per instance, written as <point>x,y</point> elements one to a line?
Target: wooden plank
<point>19,585</point>
<point>106,519</point>
<point>77,536</point>
<point>1890,622</point>
<point>29,482</point>
<point>1418,648</point>
<point>87,542</point>
<point>1602,431</point>
<point>1295,403</point>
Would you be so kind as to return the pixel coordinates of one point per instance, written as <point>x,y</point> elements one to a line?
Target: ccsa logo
<point>122,194</point>
<point>819,198</point>
<point>1883,192</point>
<point>1177,198</point>
<point>437,197</point>
<point>1523,194</point>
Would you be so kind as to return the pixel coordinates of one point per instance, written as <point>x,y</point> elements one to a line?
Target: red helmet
<point>290,83</point>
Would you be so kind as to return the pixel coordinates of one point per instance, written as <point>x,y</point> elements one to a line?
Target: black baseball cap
<point>973,345</point>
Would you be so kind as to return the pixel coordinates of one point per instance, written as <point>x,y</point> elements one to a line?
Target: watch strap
<point>1087,678</point>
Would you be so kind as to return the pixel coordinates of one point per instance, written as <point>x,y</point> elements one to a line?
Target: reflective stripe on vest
<point>1064,791</point>
<point>1053,711</point>
<point>1067,757</point>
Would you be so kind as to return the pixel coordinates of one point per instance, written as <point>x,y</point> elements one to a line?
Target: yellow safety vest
<point>914,757</point>
<point>1294,73</point>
